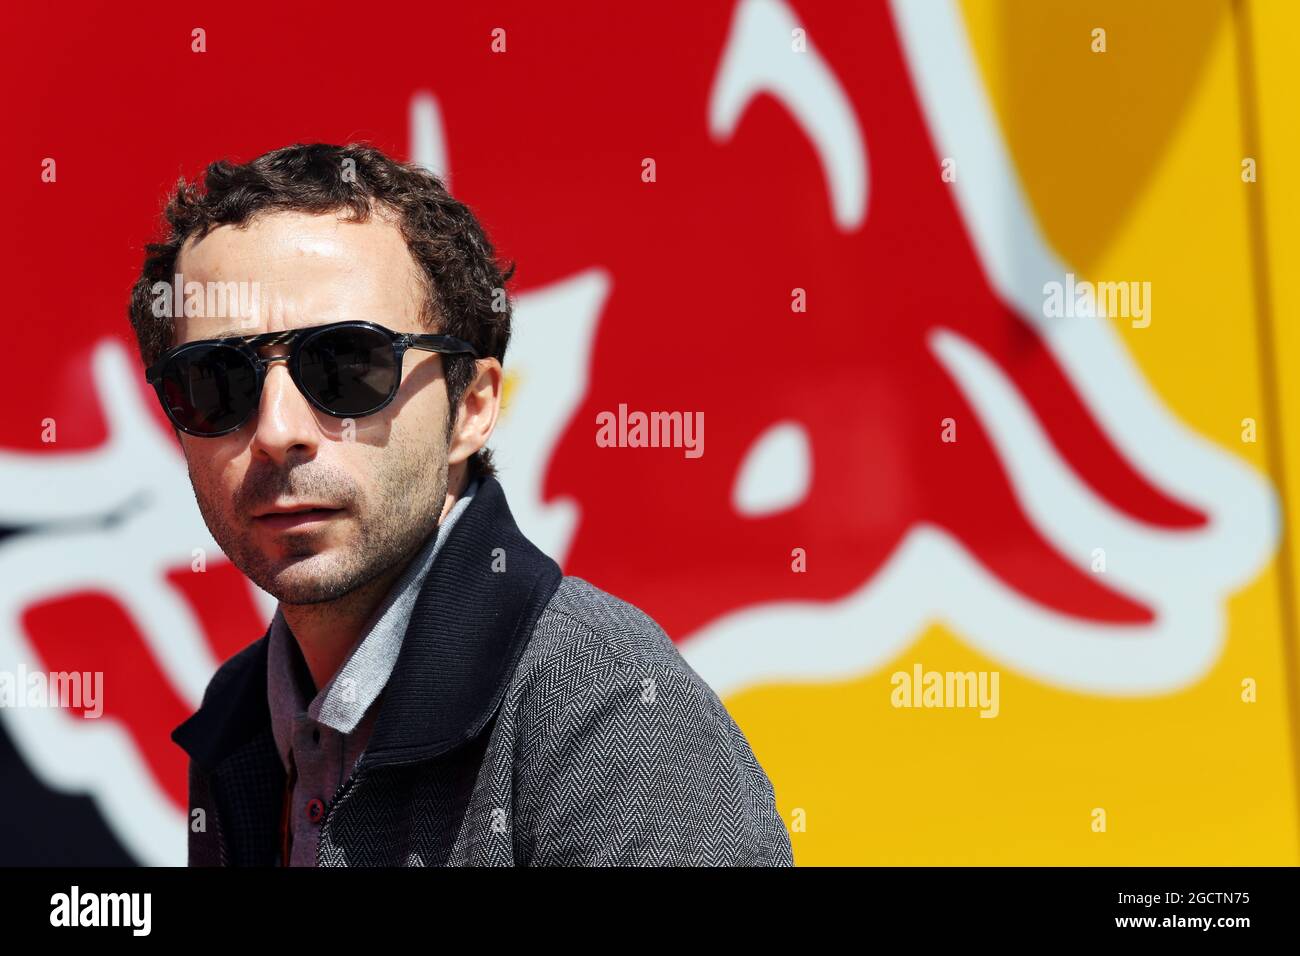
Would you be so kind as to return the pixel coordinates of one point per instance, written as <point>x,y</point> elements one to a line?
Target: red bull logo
<point>827,258</point>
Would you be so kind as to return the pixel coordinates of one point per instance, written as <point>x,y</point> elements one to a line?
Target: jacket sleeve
<point>204,844</point>
<point>645,767</point>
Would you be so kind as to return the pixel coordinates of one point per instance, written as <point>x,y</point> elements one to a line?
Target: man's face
<point>386,473</point>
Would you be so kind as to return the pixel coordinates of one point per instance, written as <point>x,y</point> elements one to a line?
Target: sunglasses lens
<point>209,389</point>
<point>350,371</point>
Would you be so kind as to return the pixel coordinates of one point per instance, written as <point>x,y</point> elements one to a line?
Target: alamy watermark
<point>79,690</point>
<point>1081,298</point>
<point>626,429</point>
<point>922,688</point>
<point>220,300</point>
<point>132,911</point>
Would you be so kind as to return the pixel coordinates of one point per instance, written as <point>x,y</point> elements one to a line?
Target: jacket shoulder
<point>585,634</point>
<point>624,754</point>
<point>222,695</point>
<point>588,642</point>
<point>236,667</point>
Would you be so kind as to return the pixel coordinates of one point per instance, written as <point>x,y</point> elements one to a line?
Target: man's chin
<point>309,579</point>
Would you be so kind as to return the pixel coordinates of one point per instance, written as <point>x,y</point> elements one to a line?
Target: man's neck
<point>327,632</point>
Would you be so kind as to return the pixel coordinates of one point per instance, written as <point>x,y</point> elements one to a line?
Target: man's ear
<point>476,415</point>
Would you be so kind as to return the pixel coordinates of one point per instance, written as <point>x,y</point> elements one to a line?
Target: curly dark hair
<point>466,293</point>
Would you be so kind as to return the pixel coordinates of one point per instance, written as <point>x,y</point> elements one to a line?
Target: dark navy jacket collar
<point>471,622</point>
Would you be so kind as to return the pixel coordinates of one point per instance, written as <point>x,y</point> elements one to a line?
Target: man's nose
<point>286,421</point>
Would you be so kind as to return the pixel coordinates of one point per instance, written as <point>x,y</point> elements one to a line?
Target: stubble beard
<point>388,529</point>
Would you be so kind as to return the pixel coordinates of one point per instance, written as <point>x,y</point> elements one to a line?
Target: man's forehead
<point>304,269</point>
<point>289,240</point>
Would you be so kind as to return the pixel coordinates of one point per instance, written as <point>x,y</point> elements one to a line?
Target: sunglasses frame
<point>296,339</point>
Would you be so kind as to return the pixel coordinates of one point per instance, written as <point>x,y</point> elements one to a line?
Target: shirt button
<point>315,810</point>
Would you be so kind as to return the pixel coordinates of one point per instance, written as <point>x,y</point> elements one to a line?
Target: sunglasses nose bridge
<point>263,364</point>
<point>264,370</point>
<point>290,390</point>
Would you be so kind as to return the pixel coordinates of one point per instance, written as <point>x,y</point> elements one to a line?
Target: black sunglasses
<point>211,387</point>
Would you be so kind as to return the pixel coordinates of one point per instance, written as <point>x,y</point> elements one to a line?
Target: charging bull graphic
<point>930,443</point>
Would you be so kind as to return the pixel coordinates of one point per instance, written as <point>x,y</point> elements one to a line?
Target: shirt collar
<point>343,702</point>
<point>471,623</point>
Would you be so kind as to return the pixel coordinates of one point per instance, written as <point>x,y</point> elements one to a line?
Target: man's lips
<point>297,518</point>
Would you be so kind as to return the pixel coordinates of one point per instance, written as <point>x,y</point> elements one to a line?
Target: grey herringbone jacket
<point>531,719</point>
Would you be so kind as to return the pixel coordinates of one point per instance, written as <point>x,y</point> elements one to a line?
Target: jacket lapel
<point>470,624</point>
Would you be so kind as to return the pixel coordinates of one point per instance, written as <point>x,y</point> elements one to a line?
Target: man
<point>432,690</point>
